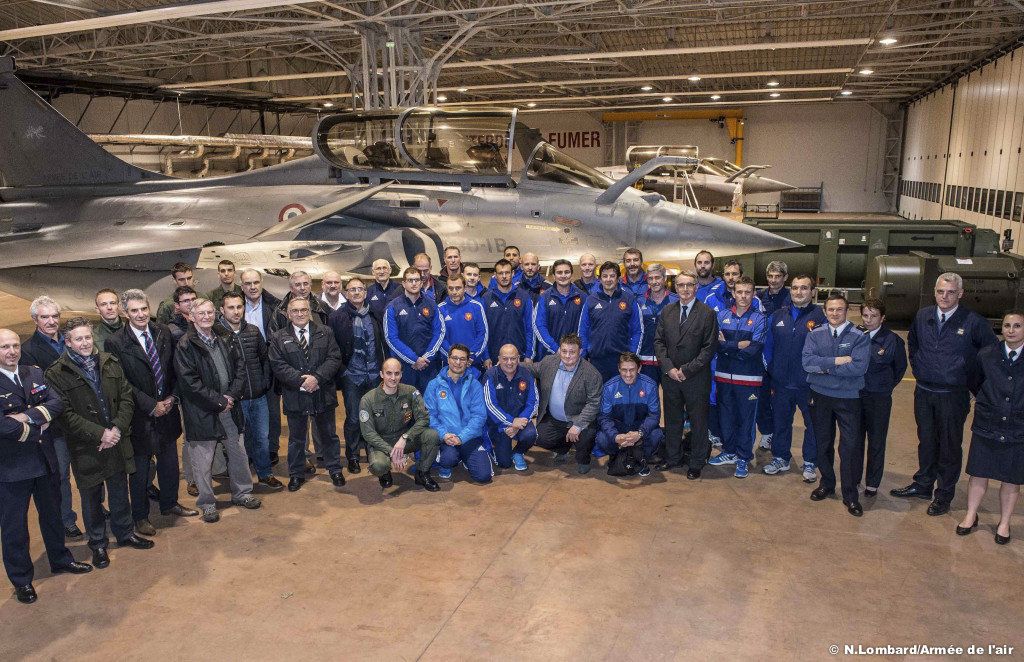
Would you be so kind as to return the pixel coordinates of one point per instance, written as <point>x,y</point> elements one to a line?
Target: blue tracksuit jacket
<point>724,300</point>
<point>464,323</point>
<point>743,367</point>
<point>940,358</point>
<point>509,320</point>
<point>625,407</point>
<point>378,298</point>
<point>819,355</point>
<point>704,291</point>
<point>555,315</point>
<point>773,302</point>
<point>413,329</point>
<point>476,292</point>
<point>457,408</point>
<point>535,286</point>
<point>637,288</point>
<point>507,399</point>
<point>650,311</point>
<point>784,343</point>
<point>610,325</point>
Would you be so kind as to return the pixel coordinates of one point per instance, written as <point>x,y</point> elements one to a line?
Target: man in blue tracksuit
<point>630,413</point>
<point>773,297</point>
<point>557,311</point>
<point>836,356</point>
<point>464,322</point>
<point>783,349</point>
<point>533,280</point>
<point>413,331</point>
<point>383,290</point>
<point>509,313</point>
<point>634,280</point>
<point>510,393</point>
<point>707,282</point>
<point>474,290</point>
<point>739,369</point>
<point>610,324</point>
<point>944,341</point>
<point>455,401</point>
<point>511,254</point>
<point>651,304</point>
<point>885,371</point>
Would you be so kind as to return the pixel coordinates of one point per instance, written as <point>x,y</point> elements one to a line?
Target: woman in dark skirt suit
<point>997,445</point>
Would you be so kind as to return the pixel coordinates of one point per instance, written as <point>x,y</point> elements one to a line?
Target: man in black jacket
<point>146,352</point>
<point>685,341</point>
<point>42,349</point>
<point>210,374</point>
<point>360,338</point>
<point>305,358</point>
<point>259,311</point>
<point>253,349</point>
<point>300,286</point>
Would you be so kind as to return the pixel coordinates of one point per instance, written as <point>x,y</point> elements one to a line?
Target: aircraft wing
<point>746,172</point>
<point>290,228</point>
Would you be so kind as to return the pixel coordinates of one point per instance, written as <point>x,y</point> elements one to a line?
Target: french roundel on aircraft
<point>290,211</point>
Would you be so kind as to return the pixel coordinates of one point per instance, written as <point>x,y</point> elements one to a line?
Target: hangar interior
<point>898,122</point>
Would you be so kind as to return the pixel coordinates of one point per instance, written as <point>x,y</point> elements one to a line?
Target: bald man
<point>330,291</point>
<point>532,280</point>
<point>586,281</point>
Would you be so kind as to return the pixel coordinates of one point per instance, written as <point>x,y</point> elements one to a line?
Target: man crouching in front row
<point>394,421</point>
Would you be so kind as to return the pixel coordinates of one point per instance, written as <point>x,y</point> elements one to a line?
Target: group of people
<point>438,371</point>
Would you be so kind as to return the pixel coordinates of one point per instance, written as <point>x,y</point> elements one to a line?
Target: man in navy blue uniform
<point>707,282</point>
<point>383,290</point>
<point>651,304</point>
<point>42,349</point>
<point>588,281</point>
<point>835,357</point>
<point>723,298</point>
<point>511,254</point>
<point>610,324</point>
<point>28,469</point>
<point>943,341</point>
<point>630,414</point>
<point>885,371</point>
<point>431,286</point>
<point>509,313</point>
<point>773,297</point>
<point>510,393</point>
<point>557,311</point>
<point>474,289</point>
<point>738,372</point>
<point>783,349</point>
<point>465,323</point>
<point>533,280</point>
<point>413,331</point>
<point>634,279</point>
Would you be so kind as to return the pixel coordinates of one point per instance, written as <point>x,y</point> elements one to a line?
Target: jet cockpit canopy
<point>637,155</point>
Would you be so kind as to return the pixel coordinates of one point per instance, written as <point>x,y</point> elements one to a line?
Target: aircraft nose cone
<point>753,185</point>
<point>675,232</point>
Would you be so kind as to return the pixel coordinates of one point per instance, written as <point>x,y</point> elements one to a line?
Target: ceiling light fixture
<point>775,95</point>
<point>462,89</point>
<point>531,105</point>
<point>693,79</point>
<point>773,83</point>
<point>647,88</point>
<point>716,97</point>
<point>328,104</point>
<point>666,99</point>
<point>846,93</point>
<point>442,98</point>
<point>866,72</point>
<point>888,41</point>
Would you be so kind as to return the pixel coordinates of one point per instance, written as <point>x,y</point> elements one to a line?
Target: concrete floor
<point>541,565</point>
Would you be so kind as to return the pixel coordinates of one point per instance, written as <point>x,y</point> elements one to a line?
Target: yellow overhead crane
<point>733,118</point>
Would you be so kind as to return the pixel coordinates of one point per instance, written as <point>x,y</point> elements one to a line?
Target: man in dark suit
<point>570,401</point>
<point>259,311</point>
<point>42,349</point>
<point>146,352</point>
<point>28,469</point>
<point>685,341</point>
<point>305,358</point>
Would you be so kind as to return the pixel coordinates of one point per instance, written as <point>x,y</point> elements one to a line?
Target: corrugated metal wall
<point>962,156</point>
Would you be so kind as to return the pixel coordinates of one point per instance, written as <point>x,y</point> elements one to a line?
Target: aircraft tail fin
<point>40,147</point>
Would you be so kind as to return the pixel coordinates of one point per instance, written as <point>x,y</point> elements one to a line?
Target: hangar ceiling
<point>535,54</point>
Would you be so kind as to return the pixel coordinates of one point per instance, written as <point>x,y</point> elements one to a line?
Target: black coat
<point>201,400</point>
<point>998,386</point>
<point>148,431</point>
<point>36,351</point>
<point>24,447</point>
<point>289,364</point>
<point>253,349</point>
<point>340,322</point>
<point>690,346</point>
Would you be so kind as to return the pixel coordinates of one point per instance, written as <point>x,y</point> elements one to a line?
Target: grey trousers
<point>201,455</point>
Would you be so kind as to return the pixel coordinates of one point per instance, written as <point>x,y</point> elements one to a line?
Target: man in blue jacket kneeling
<point>455,400</point>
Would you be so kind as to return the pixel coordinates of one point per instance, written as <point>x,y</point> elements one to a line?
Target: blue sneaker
<point>444,474</point>
<point>519,462</point>
<point>722,459</point>
<point>741,469</point>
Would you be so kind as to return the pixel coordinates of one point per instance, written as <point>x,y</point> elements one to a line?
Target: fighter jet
<point>75,218</point>
<point>711,182</point>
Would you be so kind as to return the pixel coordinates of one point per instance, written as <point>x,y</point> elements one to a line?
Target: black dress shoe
<point>73,532</point>
<point>353,467</point>
<point>854,508</point>
<point>386,480</point>
<point>100,558</point>
<point>153,492</point>
<point>1002,540</point>
<point>26,594</point>
<point>912,490</point>
<point>821,493</point>
<point>338,479</point>
<point>870,492</point>
<point>665,465</point>
<point>180,511</point>
<point>135,542</point>
<point>427,481</point>
<point>73,568</point>
<point>295,483</point>
<point>967,530</point>
<point>692,474</point>
<point>935,508</point>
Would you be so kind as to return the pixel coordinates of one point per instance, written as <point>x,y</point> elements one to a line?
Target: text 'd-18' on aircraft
<point>387,185</point>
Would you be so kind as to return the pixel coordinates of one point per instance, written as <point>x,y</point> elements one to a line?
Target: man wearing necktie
<point>944,341</point>
<point>146,352</point>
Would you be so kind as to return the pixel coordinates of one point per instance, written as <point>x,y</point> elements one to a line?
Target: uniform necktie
<point>835,333</point>
<point>17,380</point>
<point>682,314</point>
<point>154,362</point>
<point>303,344</point>
<point>1012,355</point>
<point>942,319</point>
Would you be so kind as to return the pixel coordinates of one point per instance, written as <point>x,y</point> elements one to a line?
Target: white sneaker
<point>809,475</point>
<point>716,442</point>
<point>766,442</point>
<point>776,466</point>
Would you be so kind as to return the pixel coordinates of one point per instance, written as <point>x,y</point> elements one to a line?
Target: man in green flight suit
<point>394,421</point>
